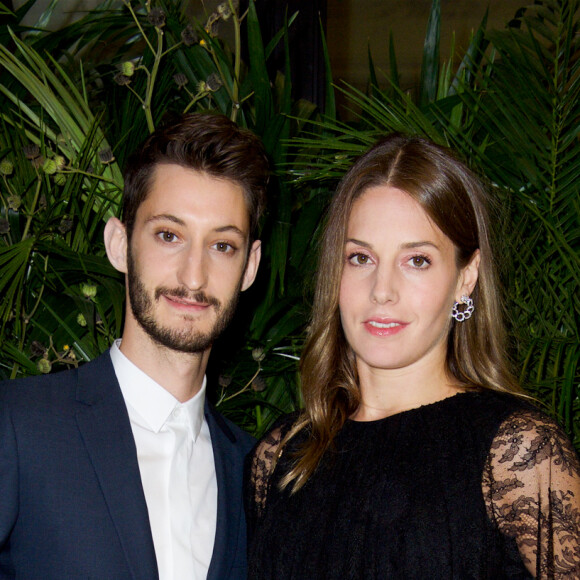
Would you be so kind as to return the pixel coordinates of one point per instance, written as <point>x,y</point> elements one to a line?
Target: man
<point>121,469</point>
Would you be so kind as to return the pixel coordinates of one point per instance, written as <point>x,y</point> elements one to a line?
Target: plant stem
<point>244,388</point>
<point>151,81</point>
<point>237,61</point>
<point>139,24</point>
<point>150,77</point>
<point>220,71</point>
<point>32,209</point>
<point>38,299</point>
<point>25,320</point>
<point>195,100</point>
<point>8,187</point>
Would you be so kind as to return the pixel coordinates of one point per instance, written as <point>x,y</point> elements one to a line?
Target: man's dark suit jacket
<point>71,500</point>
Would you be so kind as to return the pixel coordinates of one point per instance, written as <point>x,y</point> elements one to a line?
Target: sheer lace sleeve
<point>531,485</point>
<point>259,468</point>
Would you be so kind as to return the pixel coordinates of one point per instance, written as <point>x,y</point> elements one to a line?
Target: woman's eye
<point>359,259</point>
<point>419,261</point>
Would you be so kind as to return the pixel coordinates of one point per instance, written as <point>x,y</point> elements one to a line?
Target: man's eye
<point>223,247</point>
<point>167,236</point>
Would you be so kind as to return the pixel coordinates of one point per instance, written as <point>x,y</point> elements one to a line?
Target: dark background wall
<point>355,25</point>
<point>352,27</point>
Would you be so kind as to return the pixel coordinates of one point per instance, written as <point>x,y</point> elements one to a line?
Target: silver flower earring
<point>461,315</point>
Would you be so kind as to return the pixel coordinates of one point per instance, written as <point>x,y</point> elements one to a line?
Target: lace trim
<point>531,485</point>
<point>262,465</point>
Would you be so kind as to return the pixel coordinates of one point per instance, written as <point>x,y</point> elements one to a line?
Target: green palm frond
<point>62,115</point>
<point>512,110</point>
<point>529,114</point>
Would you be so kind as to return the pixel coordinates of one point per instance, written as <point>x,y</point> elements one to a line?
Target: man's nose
<point>193,269</point>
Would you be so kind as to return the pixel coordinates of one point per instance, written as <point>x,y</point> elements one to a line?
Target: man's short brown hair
<point>203,142</point>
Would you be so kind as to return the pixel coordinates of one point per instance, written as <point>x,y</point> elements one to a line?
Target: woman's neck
<point>386,392</point>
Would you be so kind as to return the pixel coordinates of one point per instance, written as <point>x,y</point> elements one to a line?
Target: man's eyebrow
<point>231,228</point>
<point>171,218</point>
<point>165,217</point>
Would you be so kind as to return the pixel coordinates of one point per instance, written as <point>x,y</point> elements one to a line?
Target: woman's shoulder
<point>261,462</point>
<point>511,415</point>
<point>485,410</point>
<point>267,448</point>
<point>489,399</point>
<point>509,427</point>
<point>527,438</point>
<point>529,447</point>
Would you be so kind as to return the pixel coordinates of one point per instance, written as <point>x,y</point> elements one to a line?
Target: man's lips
<point>181,302</point>
<point>185,300</point>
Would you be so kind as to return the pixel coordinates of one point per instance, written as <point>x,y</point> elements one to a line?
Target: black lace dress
<point>477,486</point>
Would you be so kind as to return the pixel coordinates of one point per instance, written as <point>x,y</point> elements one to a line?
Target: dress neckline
<point>420,409</point>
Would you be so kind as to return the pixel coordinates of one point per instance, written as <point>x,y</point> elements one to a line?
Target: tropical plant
<point>528,124</point>
<point>71,115</point>
<point>509,104</point>
<point>511,107</point>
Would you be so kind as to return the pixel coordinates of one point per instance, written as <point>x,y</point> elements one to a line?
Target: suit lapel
<point>106,431</point>
<point>228,465</point>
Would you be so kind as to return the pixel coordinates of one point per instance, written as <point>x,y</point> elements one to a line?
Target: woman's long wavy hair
<point>455,200</point>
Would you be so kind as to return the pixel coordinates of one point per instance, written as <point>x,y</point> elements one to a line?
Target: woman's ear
<point>116,244</point>
<point>468,277</point>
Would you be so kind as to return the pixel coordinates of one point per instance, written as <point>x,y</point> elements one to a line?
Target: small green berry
<point>44,365</point>
<point>128,68</point>
<point>258,354</point>
<point>6,167</point>
<point>88,290</point>
<point>59,178</point>
<point>14,202</point>
<point>60,162</point>
<point>49,167</point>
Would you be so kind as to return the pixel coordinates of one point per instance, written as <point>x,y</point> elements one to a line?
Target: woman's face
<point>399,283</point>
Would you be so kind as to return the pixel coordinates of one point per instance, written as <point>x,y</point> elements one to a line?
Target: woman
<point>417,454</point>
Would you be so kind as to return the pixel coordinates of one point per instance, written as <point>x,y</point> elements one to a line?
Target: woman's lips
<point>384,327</point>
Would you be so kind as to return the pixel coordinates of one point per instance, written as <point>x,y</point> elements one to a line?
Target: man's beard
<point>188,340</point>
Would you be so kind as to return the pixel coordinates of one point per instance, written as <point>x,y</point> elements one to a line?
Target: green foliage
<point>528,115</point>
<point>76,103</point>
<point>72,113</point>
<point>511,107</point>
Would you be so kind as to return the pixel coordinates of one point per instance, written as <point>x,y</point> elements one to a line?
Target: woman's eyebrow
<point>358,243</point>
<point>405,246</point>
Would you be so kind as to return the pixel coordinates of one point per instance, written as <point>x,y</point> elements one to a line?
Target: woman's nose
<point>384,287</point>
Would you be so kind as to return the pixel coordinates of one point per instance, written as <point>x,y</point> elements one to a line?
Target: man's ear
<point>116,244</point>
<point>252,265</point>
<point>468,277</point>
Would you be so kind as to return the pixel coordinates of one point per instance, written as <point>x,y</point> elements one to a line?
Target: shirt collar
<point>149,399</point>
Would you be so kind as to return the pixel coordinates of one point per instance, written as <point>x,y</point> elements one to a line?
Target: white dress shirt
<point>177,470</point>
